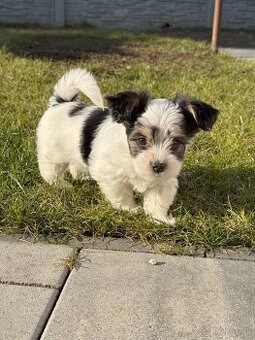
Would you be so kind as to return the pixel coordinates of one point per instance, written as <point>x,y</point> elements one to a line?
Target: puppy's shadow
<point>215,191</point>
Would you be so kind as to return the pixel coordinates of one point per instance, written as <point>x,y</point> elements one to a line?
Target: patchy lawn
<point>215,204</point>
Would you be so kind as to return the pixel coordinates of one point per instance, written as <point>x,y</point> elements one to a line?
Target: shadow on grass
<point>62,44</point>
<point>216,191</point>
<point>227,38</point>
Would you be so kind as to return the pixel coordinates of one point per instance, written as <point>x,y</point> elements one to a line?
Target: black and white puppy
<point>136,144</point>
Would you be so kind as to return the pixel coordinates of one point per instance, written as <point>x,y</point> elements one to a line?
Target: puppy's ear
<point>198,115</point>
<point>126,107</point>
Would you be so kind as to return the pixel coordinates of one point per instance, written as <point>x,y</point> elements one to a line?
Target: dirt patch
<point>66,48</point>
<point>112,53</point>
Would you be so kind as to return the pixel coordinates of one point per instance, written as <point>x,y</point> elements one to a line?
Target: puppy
<point>135,144</point>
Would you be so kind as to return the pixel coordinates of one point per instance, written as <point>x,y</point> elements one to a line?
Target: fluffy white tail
<point>74,82</point>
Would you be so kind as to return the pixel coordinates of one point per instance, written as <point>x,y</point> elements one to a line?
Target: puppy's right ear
<point>126,107</point>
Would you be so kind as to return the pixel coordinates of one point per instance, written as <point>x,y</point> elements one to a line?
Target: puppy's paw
<point>136,209</point>
<point>63,184</point>
<point>133,208</point>
<point>86,178</point>
<point>166,219</point>
<point>172,220</point>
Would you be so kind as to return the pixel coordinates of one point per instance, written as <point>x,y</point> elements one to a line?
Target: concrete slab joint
<point>59,9</point>
<point>31,279</point>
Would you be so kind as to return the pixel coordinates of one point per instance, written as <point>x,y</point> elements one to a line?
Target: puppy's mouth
<point>158,174</point>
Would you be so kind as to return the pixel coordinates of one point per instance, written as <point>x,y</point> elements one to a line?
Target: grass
<point>215,204</point>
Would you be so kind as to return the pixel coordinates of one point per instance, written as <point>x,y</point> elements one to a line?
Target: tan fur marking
<point>191,109</point>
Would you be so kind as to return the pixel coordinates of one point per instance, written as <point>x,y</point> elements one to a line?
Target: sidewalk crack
<point>71,263</point>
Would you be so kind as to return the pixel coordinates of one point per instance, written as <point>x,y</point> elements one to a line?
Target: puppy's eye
<point>175,142</point>
<point>142,141</point>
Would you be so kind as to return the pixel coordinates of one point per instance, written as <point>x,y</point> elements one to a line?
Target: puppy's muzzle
<point>158,167</point>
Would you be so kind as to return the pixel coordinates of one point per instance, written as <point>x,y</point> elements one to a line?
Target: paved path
<point>240,53</point>
<point>112,295</point>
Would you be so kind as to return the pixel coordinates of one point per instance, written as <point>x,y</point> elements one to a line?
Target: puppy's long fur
<point>135,144</point>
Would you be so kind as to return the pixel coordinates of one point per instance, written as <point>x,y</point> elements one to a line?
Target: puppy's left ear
<point>199,115</point>
<point>126,107</point>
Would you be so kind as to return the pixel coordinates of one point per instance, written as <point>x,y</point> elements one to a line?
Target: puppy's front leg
<point>119,194</point>
<point>158,199</point>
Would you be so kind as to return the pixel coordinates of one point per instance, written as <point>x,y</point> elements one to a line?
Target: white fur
<point>74,82</point>
<point>110,163</point>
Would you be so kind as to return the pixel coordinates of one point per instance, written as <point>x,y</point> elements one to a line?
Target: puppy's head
<point>159,130</point>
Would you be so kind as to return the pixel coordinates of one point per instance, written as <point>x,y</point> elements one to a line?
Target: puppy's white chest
<point>139,184</point>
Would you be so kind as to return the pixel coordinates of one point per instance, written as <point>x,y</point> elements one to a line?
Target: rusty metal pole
<point>216,24</point>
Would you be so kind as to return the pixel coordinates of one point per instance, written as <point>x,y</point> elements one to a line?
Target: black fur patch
<point>198,114</point>
<point>178,149</point>
<point>154,132</point>
<point>61,100</point>
<point>91,124</point>
<point>126,107</point>
<point>76,110</point>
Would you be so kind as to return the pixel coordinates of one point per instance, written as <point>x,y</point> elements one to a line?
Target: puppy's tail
<point>74,82</point>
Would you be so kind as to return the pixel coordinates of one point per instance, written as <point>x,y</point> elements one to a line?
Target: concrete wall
<point>238,14</point>
<point>26,12</point>
<point>131,14</point>
<point>33,12</point>
<point>141,15</point>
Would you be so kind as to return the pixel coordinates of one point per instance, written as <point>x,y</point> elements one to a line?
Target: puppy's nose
<point>158,167</point>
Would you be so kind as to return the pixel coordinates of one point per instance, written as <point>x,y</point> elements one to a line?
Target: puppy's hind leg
<point>119,194</point>
<point>53,173</point>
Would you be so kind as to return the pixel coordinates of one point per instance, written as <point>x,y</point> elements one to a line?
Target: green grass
<point>215,204</point>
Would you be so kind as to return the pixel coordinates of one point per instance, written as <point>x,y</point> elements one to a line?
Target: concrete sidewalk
<point>112,294</point>
<point>240,53</point>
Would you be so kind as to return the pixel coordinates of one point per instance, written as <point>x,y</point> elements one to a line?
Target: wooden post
<point>216,24</point>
